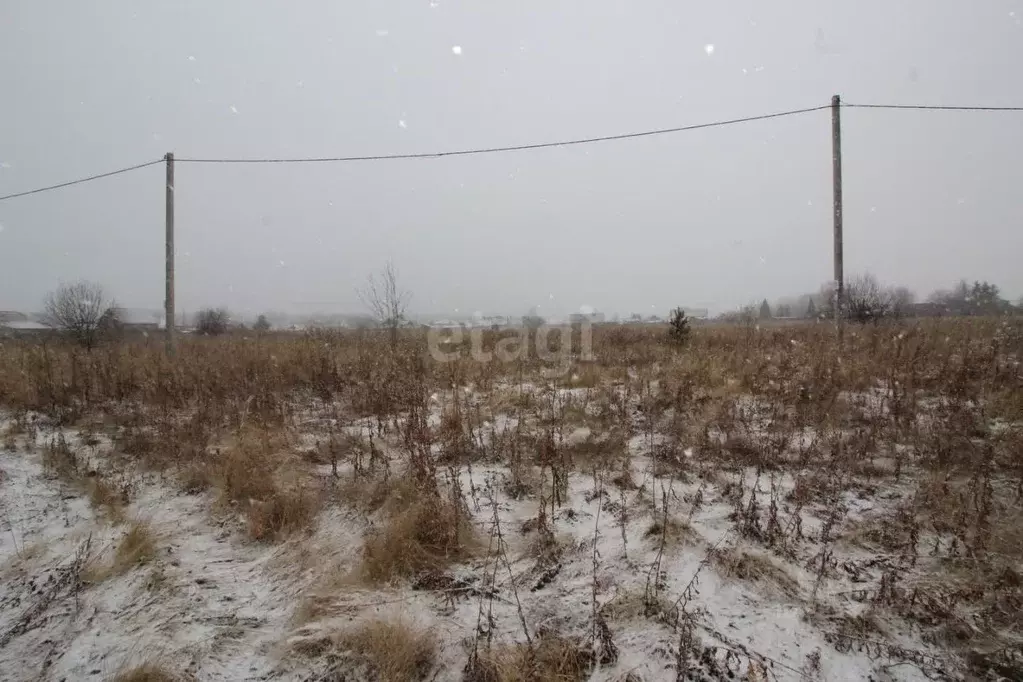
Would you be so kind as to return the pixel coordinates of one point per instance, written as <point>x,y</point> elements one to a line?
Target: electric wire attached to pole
<point>81,180</point>
<point>927,107</point>
<point>515,148</point>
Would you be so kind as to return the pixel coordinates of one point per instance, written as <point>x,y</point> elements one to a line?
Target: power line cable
<point>81,180</point>
<point>513,148</point>
<point>928,107</point>
<point>523,147</point>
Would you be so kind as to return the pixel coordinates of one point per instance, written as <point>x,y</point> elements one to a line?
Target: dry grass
<point>64,461</point>
<point>677,533</point>
<point>104,496</point>
<point>286,512</point>
<point>388,650</point>
<point>552,658</point>
<point>149,672</point>
<point>423,533</point>
<point>756,568</point>
<point>137,547</point>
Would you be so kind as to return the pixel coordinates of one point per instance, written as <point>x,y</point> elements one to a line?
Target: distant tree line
<point>866,300</point>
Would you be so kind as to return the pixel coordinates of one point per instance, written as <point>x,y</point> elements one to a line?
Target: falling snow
<point>709,48</point>
<point>402,124</point>
<point>191,58</point>
<point>382,33</point>
<point>234,110</point>
<point>457,49</point>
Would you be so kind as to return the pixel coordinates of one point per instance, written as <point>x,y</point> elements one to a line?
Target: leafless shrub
<point>212,321</point>
<point>386,300</point>
<point>82,311</point>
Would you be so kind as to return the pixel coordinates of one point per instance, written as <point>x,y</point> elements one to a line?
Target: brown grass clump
<point>552,658</point>
<point>136,548</point>
<point>253,474</point>
<point>392,651</point>
<point>102,495</point>
<point>634,604</point>
<point>149,672</point>
<point>676,534</point>
<point>283,514</point>
<point>425,534</point>
<point>245,471</point>
<point>755,568</point>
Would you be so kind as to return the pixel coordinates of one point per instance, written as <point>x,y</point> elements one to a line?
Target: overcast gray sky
<point>711,218</point>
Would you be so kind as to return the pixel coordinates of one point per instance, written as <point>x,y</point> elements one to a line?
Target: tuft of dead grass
<point>286,512</point>
<point>756,568</point>
<point>552,658</point>
<point>137,547</point>
<point>104,496</point>
<point>253,474</point>
<point>676,534</point>
<point>150,672</point>
<point>391,650</point>
<point>424,533</point>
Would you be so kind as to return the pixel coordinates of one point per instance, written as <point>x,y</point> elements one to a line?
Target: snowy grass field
<point>758,504</point>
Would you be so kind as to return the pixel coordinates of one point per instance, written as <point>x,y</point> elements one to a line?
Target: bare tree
<point>866,300</point>
<point>212,321</point>
<point>901,301</point>
<point>385,298</point>
<point>81,310</point>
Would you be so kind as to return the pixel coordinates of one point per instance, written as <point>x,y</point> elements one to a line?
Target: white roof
<point>24,324</point>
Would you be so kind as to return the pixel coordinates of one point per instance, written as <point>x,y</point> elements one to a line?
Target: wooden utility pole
<point>169,296</point>
<point>836,172</point>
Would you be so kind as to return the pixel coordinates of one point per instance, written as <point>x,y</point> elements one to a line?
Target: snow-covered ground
<point>218,606</point>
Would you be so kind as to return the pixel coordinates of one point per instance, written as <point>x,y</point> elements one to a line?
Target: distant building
<point>594,317</point>
<point>12,316</point>
<point>22,327</point>
<point>140,319</point>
